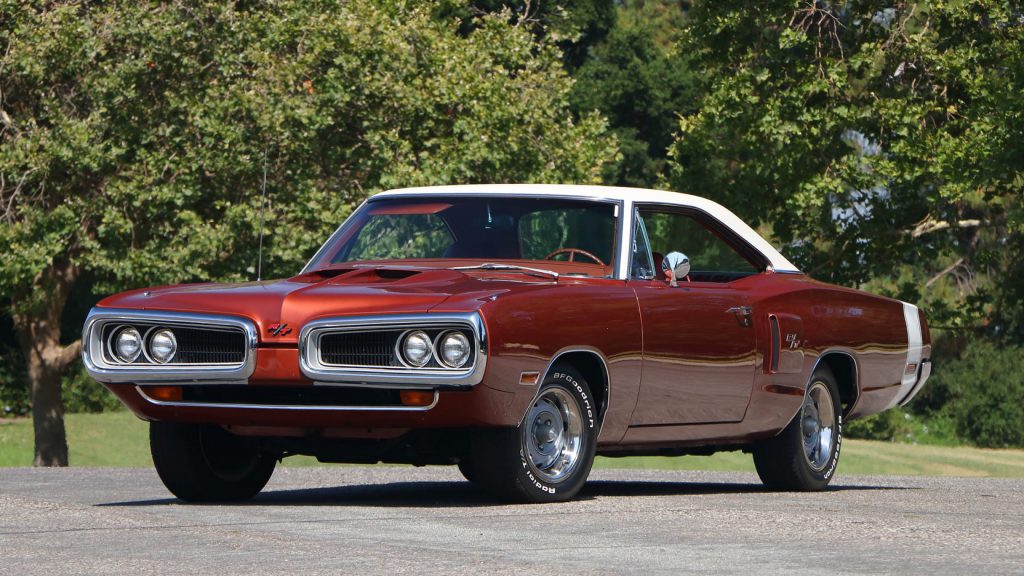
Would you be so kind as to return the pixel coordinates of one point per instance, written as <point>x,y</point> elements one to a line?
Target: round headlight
<point>454,349</point>
<point>128,345</point>
<point>416,348</point>
<point>162,346</point>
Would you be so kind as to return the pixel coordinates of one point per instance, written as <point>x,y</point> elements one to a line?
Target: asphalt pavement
<point>403,520</point>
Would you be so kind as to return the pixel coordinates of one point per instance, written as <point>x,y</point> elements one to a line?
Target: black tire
<point>783,462</point>
<point>501,462</point>
<point>468,472</point>
<point>208,464</point>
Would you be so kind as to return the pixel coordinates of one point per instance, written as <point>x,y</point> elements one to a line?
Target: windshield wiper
<point>509,268</point>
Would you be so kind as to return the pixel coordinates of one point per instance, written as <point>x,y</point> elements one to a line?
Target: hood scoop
<point>356,275</point>
<point>392,274</point>
<point>320,275</point>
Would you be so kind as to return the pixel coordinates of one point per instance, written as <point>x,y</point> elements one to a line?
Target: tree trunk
<point>38,324</point>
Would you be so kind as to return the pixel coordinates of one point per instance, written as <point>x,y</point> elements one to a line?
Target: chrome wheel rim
<point>817,425</point>
<point>552,435</point>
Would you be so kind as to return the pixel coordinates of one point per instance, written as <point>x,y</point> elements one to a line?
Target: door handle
<point>742,315</point>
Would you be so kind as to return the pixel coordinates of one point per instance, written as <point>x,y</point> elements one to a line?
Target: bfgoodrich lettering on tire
<point>804,456</point>
<point>548,457</point>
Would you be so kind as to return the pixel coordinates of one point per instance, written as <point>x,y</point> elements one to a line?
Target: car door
<point>699,348</point>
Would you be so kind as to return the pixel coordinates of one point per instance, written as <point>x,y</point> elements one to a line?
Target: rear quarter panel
<point>867,328</point>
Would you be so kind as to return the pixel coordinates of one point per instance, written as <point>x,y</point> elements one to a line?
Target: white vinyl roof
<point>628,196</point>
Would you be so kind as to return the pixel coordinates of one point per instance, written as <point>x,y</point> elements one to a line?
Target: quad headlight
<point>454,349</point>
<point>162,346</point>
<point>416,348</point>
<point>127,345</point>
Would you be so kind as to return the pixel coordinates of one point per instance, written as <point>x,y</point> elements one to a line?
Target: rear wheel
<point>804,456</point>
<point>208,464</point>
<point>549,456</point>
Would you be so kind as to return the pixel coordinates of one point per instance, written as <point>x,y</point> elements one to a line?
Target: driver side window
<point>711,258</point>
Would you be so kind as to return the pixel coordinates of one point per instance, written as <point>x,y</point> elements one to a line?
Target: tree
<point>572,25</point>
<point>641,84</point>
<point>883,141</point>
<point>134,136</point>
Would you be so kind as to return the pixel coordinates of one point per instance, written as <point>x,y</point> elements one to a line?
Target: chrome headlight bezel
<point>103,367</point>
<point>441,347</point>
<point>403,354</point>
<point>164,333</point>
<point>114,344</point>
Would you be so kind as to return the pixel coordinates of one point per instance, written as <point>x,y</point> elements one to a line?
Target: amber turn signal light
<point>164,393</point>
<point>416,397</point>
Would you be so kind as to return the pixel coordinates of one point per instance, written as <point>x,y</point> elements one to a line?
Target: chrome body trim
<point>103,371</point>
<point>385,376</point>
<point>288,407</point>
<point>437,350</point>
<point>398,351</point>
<point>924,371</point>
<point>856,378</point>
<point>509,267</point>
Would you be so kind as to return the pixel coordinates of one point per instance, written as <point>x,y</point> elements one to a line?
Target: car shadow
<point>465,494</point>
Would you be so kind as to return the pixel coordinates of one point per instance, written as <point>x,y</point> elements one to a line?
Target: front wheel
<point>207,463</point>
<point>549,456</point>
<point>804,456</point>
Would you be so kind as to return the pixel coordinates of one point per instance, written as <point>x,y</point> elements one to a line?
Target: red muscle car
<point>515,331</point>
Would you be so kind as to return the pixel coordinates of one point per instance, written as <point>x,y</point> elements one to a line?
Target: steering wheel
<point>572,252</point>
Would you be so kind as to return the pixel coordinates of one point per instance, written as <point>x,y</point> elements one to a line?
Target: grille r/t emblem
<point>279,329</point>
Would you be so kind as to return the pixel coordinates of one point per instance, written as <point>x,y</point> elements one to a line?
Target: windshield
<point>574,236</point>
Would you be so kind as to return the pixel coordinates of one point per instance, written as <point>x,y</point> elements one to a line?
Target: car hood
<point>338,292</point>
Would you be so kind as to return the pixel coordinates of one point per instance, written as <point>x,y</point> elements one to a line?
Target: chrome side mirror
<point>675,265</point>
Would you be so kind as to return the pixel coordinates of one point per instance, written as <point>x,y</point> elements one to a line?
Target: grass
<point>119,439</point>
<point>108,439</point>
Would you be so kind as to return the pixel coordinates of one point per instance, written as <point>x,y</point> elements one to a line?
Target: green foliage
<point>982,392</point>
<point>641,85</point>
<point>82,394</point>
<point>14,397</point>
<point>573,25</point>
<point>133,135</point>
<point>880,141</point>
<point>901,425</point>
<point>136,132</point>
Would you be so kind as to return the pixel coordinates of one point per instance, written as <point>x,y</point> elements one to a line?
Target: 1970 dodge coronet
<point>516,331</point>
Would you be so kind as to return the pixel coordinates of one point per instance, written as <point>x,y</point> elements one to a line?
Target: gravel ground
<point>398,520</point>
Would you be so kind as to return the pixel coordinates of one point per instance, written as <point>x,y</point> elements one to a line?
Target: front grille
<point>197,346</point>
<point>360,348</point>
<point>378,348</point>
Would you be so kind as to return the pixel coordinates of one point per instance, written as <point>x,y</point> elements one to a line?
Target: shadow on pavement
<point>464,494</point>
